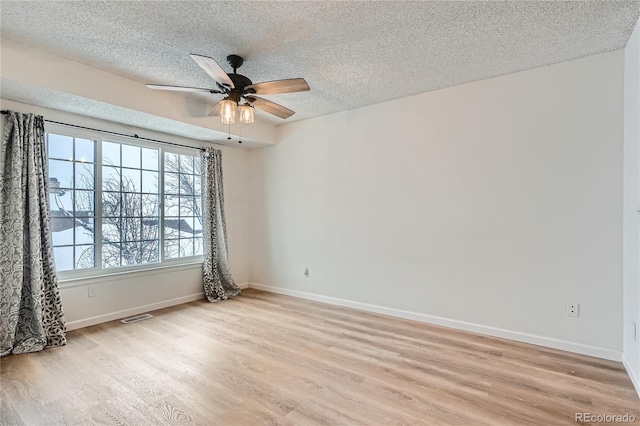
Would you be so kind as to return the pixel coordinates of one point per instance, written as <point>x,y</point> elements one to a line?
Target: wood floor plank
<point>263,358</point>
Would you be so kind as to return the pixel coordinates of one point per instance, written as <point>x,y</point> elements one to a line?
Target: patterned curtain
<point>30,308</point>
<point>218,283</point>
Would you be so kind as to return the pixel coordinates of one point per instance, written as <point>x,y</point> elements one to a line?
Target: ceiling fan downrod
<point>235,61</point>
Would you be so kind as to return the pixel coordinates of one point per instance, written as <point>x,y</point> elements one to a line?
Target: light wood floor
<point>263,358</point>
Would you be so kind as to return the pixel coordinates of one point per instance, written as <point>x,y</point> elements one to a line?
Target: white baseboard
<point>631,372</point>
<point>86,322</point>
<point>99,319</point>
<point>452,323</point>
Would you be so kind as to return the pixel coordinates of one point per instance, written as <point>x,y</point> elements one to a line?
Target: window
<point>72,200</point>
<point>130,209</point>
<point>106,204</point>
<point>182,206</point>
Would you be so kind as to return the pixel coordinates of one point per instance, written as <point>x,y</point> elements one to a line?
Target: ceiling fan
<point>237,87</point>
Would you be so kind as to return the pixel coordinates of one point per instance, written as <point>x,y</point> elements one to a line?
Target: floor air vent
<point>136,318</point>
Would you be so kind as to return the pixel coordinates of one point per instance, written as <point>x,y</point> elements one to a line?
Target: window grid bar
<point>161,190</point>
<point>97,252</point>
<point>140,230</point>
<point>73,201</point>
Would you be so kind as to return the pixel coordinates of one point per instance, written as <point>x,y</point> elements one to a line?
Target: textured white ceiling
<point>351,53</point>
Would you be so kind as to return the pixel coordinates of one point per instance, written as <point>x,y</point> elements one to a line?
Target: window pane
<point>197,165</point>
<point>131,254</point>
<point>130,180</point>
<point>149,251</point>
<point>111,204</point>
<point>171,205</point>
<point>62,230</point>
<point>110,255</point>
<point>131,229</point>
<point>187,206</point>
<point>197,243</point>
<point>150,182</point>
<point>110,178</point>
<point>60,174</point>
<point>197,226</point>
<point>171,163</point>
<point>171,249</point>
<point>85,150</point>
<point>186,164</point>
<point>85,176</point>
<point>198,207</point>
<point>84,230</point>
<point>84,203</point>
<point>197,185</point>
<point>131,156</point>
<point>149,159</point>
<point>85,257</point>
<point>186,184</point>
<point>171,227</point>
<point>186,247</point>
<point>150,229</point>
<point>186,227</point>
<point>62,201</point>
<point>64,258</point>
<point>111,230</point>
<point>171,185</point>
<point>149,205</point>
<point>110,154</point>
<point>131,205</point>
<point>60,146</point>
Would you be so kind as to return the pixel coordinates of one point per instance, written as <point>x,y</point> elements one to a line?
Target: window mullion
<point>74,202</point>
<point>161,204</point>
<point>98,195</point>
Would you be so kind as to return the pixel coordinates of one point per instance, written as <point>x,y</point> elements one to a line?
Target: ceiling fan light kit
<point>227,111</point>
<point>237,87</point>
<point>246,113</point>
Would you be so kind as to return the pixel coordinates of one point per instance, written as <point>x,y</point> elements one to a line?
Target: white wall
<point>486,206</point>
<point>631,230</point>
<point>126,294</point>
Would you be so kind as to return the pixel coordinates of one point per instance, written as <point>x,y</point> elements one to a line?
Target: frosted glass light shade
<point>227,111</point>
<point>246,113</point>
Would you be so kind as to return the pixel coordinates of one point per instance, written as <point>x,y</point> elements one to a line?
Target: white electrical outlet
<point>573,309</point>
<point>92,291</point>
<point>306,272</point>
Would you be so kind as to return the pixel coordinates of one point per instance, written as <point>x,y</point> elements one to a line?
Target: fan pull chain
<point>229,130</point>
<point>239,134</point>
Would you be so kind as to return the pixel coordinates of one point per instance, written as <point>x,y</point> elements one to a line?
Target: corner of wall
<point>631,204</point>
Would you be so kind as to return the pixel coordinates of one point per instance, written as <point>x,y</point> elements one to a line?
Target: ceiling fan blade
<point>215,110</point>
<point>212,68</point>
<point>270,107</point>
<point>181,88</point>
<point>291,85</point>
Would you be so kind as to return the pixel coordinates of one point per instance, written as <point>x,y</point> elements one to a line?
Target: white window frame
<point>99,137</point>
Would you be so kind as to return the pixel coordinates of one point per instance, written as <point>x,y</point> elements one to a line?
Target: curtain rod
<point>135,136</point>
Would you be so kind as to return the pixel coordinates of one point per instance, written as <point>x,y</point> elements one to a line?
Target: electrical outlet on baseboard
<point>91,291</point>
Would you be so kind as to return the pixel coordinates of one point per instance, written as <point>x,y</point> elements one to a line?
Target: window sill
<point>111,276</point>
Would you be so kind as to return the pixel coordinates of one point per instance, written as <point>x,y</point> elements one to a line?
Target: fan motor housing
<point>240,82</point>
